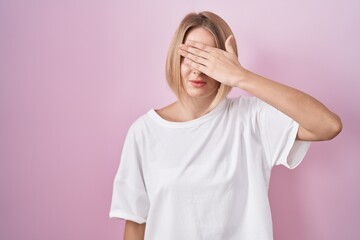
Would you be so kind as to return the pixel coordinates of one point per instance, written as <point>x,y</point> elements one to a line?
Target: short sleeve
<point>278,135</point>
<point>130,199</point>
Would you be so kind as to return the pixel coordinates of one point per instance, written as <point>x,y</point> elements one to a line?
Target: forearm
<point>317,120</point>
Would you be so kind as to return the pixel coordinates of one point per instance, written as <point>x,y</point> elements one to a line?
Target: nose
<point>195,71</point>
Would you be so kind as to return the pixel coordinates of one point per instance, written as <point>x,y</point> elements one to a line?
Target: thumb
<point>228,45</point>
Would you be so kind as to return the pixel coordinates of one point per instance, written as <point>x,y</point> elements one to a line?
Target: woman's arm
<point>316,121</point>
<point>134,231</point>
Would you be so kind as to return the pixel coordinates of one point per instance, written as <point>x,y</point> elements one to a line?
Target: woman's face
<point>197,84</point>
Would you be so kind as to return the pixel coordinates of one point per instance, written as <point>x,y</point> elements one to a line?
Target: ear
<point>228,45</point>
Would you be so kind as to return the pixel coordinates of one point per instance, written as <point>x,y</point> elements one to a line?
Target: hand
<point>223,66</point>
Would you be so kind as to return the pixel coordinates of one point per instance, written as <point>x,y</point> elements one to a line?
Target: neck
<point>192,108</point>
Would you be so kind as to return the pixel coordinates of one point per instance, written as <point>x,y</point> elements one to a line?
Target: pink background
<point>75,74</point>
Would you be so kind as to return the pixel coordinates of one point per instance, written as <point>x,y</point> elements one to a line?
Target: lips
<point>197,83</point>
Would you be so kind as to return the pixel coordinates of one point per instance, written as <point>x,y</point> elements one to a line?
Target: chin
<point>200,94</point>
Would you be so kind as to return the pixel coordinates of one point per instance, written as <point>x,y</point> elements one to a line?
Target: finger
<point>199,45</point>
<point>196,66</point>
<point>192,57</point>
<point>229,48</point>
<point>194,51</point>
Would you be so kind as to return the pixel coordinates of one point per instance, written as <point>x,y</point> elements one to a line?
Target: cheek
<point>184,70</point>
<point>214,83</point>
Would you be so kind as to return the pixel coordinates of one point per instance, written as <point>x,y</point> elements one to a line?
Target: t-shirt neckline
<point>197,121</point>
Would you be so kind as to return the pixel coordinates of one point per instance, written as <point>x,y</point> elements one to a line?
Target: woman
<point>200,167</point>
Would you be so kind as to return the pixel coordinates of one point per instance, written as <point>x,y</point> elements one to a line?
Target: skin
<point>203,61</point>
<point>134,231</point>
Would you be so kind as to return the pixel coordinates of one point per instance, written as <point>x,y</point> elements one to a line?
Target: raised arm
<point>316,121</point>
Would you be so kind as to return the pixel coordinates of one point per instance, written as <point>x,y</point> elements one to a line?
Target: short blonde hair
<point>218,28</point>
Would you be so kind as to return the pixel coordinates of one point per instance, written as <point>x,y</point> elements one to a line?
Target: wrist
<point>243,76</point>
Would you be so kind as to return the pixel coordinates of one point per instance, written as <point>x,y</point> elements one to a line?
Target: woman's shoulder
<point>146,120</point>
<point>169,112</point>
<point>243,101</point>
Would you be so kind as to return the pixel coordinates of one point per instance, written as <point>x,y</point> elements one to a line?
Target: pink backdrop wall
<point>75,74</point>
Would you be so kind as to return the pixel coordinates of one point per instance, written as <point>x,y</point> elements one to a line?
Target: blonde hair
<point>218,28</point>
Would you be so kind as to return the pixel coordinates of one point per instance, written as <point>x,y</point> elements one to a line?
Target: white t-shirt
<point>208,178</point>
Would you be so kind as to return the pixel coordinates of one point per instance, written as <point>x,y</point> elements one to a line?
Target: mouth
<point>197,83</point>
